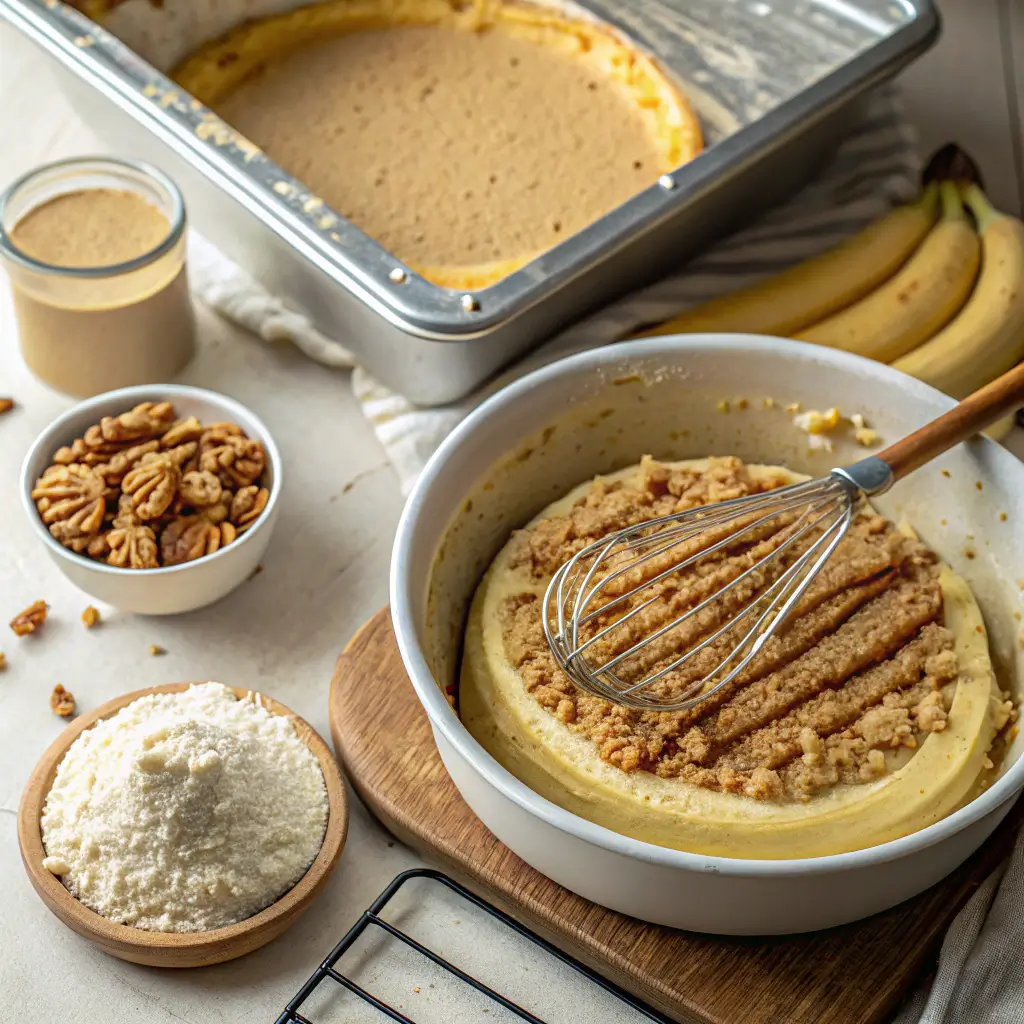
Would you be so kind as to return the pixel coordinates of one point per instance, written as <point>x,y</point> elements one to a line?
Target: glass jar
<point>85,328</point>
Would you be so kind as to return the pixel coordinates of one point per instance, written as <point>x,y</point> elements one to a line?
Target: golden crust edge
<point>222,64</point>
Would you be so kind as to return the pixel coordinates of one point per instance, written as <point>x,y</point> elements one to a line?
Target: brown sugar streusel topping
<point>863,668</point>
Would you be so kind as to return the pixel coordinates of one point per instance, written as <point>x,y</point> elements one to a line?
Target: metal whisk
<point>594,605</point>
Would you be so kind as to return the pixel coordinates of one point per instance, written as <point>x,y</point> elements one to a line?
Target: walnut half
<point>133,546</point>
<point>248,505</point>
<point>71,501</point>
<point>192,537</point>
<point>144,422</point>
<point>152,485</point>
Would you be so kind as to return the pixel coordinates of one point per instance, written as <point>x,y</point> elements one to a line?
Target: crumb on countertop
<point>90,617</point>
<point>6,405</point>
<point>62,701</point>
<point>29,620</point>
<point>722,405</point>
<point>3,661</point>
<point>156,650</point>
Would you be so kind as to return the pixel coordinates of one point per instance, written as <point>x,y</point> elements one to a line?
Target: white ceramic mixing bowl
<point>602,410</point>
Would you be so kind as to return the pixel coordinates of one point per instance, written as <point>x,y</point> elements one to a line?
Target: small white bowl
<point>174,588</point>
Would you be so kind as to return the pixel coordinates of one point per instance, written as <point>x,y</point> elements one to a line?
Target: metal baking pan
<point>774,82</point>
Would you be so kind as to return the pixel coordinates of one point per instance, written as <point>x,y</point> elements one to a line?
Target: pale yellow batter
<point>918,780</point>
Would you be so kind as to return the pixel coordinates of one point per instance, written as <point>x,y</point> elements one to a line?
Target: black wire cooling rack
<point>326,972</point>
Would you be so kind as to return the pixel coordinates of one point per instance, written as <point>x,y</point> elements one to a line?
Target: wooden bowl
<point>177,949</point>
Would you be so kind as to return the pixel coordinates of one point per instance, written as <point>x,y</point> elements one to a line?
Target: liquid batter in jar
<point>98,276</point>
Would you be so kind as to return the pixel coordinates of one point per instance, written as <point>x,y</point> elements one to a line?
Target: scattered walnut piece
<point>90,617</point>
<point>62,702</point>
<point>156,650</point>
<point>30,619</point>
<point>6,405</point>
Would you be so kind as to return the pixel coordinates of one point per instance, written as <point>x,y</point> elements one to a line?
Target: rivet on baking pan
<point>667,182</point>
<point>469,303</point>
<point>398,275</point>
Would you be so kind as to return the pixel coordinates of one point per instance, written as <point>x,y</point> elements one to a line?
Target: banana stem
<point>952,207</point>
<point>928,200</point>
<point>984,212</point>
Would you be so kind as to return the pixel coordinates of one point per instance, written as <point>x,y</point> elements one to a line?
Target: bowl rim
<point>47,440</point>
<point>444,719</point>
<point>106,932</point>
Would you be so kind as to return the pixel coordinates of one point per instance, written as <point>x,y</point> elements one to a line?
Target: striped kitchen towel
<point>875,168</point>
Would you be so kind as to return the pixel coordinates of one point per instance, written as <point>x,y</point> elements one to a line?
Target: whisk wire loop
<point>572,600</point>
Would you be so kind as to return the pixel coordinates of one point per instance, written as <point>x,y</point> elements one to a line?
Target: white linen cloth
<point>980,975</point>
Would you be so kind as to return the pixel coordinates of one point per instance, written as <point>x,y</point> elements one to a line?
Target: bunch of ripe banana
<point>923,288</point>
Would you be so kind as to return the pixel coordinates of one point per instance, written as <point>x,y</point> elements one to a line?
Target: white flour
<point>185,811</point>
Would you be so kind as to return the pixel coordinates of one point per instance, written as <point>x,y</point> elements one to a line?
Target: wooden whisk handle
<point>972,415</point>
